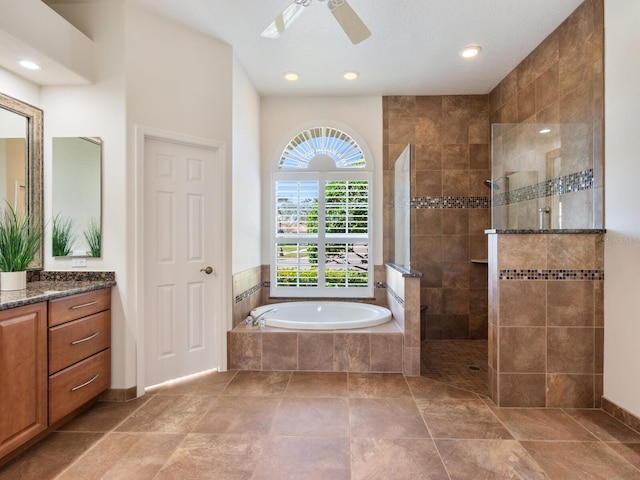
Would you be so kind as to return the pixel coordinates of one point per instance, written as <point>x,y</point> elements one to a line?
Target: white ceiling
<point>413,49</point>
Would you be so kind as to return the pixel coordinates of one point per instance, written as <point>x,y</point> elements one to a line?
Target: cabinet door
<point>23,374</point>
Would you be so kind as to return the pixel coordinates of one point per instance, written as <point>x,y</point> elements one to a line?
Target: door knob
<point>207,270</point>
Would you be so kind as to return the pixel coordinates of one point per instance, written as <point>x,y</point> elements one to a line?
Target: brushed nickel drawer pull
<point>85,383</point>
<point>84,305</point>
<point>76,342</point>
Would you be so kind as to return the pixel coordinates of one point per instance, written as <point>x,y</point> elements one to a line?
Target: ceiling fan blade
<point>349,20</point>
<point>283,20</point>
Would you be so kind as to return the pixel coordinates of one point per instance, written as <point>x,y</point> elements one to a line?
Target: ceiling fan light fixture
<point>350,75</point>
<point>291,76</point>
<point>349,20</point>
<point>283,20</point>
<point>470,51</point>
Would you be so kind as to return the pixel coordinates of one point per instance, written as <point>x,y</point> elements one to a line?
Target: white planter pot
<point>13,280</point>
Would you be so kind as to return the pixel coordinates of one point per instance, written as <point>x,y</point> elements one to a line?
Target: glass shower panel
<point>402,209</point>
<point>542,176</point>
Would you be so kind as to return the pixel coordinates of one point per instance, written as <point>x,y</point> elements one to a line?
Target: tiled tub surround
<point>374,349</point>
<point>248,287</point>
<point>251,290</point>
<point>392,347</point>
<point>403,299</point>
<point>546,325</point>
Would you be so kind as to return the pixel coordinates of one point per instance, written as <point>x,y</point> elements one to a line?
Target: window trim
<point>322,291</point>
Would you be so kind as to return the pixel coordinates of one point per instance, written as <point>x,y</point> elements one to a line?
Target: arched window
<point>322,222</point>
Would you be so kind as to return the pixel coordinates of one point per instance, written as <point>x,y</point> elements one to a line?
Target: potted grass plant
<point>19,241</point>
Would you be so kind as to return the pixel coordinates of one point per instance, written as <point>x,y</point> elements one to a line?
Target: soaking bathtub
<point>321,315</point>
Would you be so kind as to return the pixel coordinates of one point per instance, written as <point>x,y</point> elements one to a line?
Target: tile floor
<point>462,363</point>
<point>303,426</point>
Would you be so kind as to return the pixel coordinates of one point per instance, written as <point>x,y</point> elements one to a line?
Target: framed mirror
<point>76,197</point>
<point>21,162</point>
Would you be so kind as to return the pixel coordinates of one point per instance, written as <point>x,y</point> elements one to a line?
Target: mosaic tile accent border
<point>450,202</point>
<point>251,291</point>
<point>574,182</point>
<point>396,297</point>
<point>255,288</point>
<point>551,275</point>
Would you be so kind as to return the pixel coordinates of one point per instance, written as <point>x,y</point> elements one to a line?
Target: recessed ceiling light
<point>351,75</point>
<point>291,76</point>
<point>545,130</point>
<point>29,64</point>
<point>470,51</point>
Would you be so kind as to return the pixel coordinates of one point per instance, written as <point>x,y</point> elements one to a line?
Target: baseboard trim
<point>626,417</point>
<point>119,394</point>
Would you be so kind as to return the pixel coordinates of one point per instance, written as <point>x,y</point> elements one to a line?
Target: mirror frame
<point>33,166</point>
<point>97,141</point>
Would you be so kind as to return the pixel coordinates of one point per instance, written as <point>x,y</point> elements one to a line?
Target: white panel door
<point>183,214</point>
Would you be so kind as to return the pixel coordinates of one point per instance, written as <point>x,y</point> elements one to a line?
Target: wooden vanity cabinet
<point>23,375</point>
<point>79,350</point>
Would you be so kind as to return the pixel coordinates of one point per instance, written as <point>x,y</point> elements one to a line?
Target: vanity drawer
<point>64,309</point>
<point>71,342</point>
<point>76,385</point>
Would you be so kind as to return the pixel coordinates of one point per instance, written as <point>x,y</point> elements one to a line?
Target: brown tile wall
<point>562,81</point>
<point>546,336</point>
<point>450,138</point>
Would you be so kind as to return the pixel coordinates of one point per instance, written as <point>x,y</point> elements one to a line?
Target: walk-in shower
<point>543,176</point>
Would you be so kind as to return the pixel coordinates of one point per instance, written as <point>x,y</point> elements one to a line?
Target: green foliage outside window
<point>292,277</point>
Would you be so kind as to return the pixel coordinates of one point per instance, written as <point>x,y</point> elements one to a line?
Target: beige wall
<point>282,118</point>
<point>622,242</point>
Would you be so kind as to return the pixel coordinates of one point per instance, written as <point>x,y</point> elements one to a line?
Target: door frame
<point>224,323</point>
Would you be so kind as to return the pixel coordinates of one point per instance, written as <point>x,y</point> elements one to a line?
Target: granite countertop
<point>42,290</point>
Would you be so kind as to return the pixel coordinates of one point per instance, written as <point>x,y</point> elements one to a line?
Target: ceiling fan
<point>348,19</point>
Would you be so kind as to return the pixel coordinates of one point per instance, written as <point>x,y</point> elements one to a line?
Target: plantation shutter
<point>321,226</point>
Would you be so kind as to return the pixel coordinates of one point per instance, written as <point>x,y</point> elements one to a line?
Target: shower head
<point>493,184</point>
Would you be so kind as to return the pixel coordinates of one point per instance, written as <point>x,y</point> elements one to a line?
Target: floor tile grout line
<point>575,420</point>
<point>618,422</point>
<point>619,455</point>
<point>214,398</point>
<point>412,396</point>
<point>101,439</point>
<point>433,441</point>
